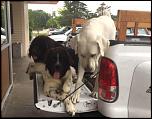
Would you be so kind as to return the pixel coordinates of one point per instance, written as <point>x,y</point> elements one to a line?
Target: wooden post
<point>75,22</point>
<point>122,31</point>
<point>136,29</point>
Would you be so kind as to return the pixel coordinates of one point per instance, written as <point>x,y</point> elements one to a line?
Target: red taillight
<point>108,80</point>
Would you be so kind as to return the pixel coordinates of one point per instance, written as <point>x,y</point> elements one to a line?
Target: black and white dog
<point>56,57</point>
<point>40,46</point>
<point>58,62</point>
<point>55,62</point>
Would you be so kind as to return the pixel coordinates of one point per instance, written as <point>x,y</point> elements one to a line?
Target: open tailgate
<point>86,104</point>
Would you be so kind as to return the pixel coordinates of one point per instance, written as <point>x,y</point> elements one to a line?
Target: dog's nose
<point>57,66</point>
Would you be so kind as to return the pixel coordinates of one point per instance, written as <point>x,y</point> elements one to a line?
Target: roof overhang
<point>42,2</point>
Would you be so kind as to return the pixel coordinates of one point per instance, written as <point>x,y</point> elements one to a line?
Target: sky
<point>93,5</point>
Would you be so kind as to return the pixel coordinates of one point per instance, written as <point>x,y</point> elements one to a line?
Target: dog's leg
<point>67,86</point>
<point>76,96</point>
<point>48,91</point>
<point>94,93</point>
<point>28,71</point>
<point>70,107</point>
<point>39,68</point>
<point>68,82</point>
<point>74,74</point>
<point>35,67</point>
<point>30,68</point>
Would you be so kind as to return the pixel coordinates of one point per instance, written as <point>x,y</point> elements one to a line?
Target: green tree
<point>92,15</point>
<point>79,9</point>
<point>31,23</point>
<point>114,17</point>
<point>71,10</point>
<point>65,17</point>
<point>38,19</point>
<point>58,21</point>
<point>53,23</point>
<point>101,10</point>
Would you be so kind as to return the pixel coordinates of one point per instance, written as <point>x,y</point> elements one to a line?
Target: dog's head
<point>57,62</point>
<point>90,49</point>
<point>39,47</point>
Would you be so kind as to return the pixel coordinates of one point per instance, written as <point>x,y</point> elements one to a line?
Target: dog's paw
<point>70,107</point>
<point>94,94</point>
<point>75,97</point>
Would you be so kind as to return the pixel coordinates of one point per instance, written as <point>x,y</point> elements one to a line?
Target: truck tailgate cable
<point>89,78</point>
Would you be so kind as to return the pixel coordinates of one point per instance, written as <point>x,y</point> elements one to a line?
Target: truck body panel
<point>140,99</point>
<point>126,57</point>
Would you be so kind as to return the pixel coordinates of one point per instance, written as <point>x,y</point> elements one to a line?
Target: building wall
<point>20,25</point>
<point>5,72</point>
<point>6,55</point>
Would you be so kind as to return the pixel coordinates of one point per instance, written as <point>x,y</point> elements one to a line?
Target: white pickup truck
<point>125,79</point>
<point>124,83</point>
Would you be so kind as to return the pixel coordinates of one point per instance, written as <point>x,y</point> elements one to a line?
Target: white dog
<point>91,44</point>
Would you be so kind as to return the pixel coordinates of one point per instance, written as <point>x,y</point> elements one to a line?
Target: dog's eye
<point>93,55</point>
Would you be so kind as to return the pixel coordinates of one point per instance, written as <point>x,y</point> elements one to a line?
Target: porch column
<point>20,35</point>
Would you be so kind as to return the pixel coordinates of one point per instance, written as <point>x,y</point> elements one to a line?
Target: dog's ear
<point>103,45</point>
<point>46,56</point>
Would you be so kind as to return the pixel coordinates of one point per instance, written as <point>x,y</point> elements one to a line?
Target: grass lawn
<point>43,32</point>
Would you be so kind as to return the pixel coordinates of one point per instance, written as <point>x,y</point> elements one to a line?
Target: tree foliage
<point>53,23</point>
<point>102,7</point>
<point>74,9</point>
<point>38,19</point>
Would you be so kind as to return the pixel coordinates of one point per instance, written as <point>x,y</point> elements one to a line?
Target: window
<point>3,24</point>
